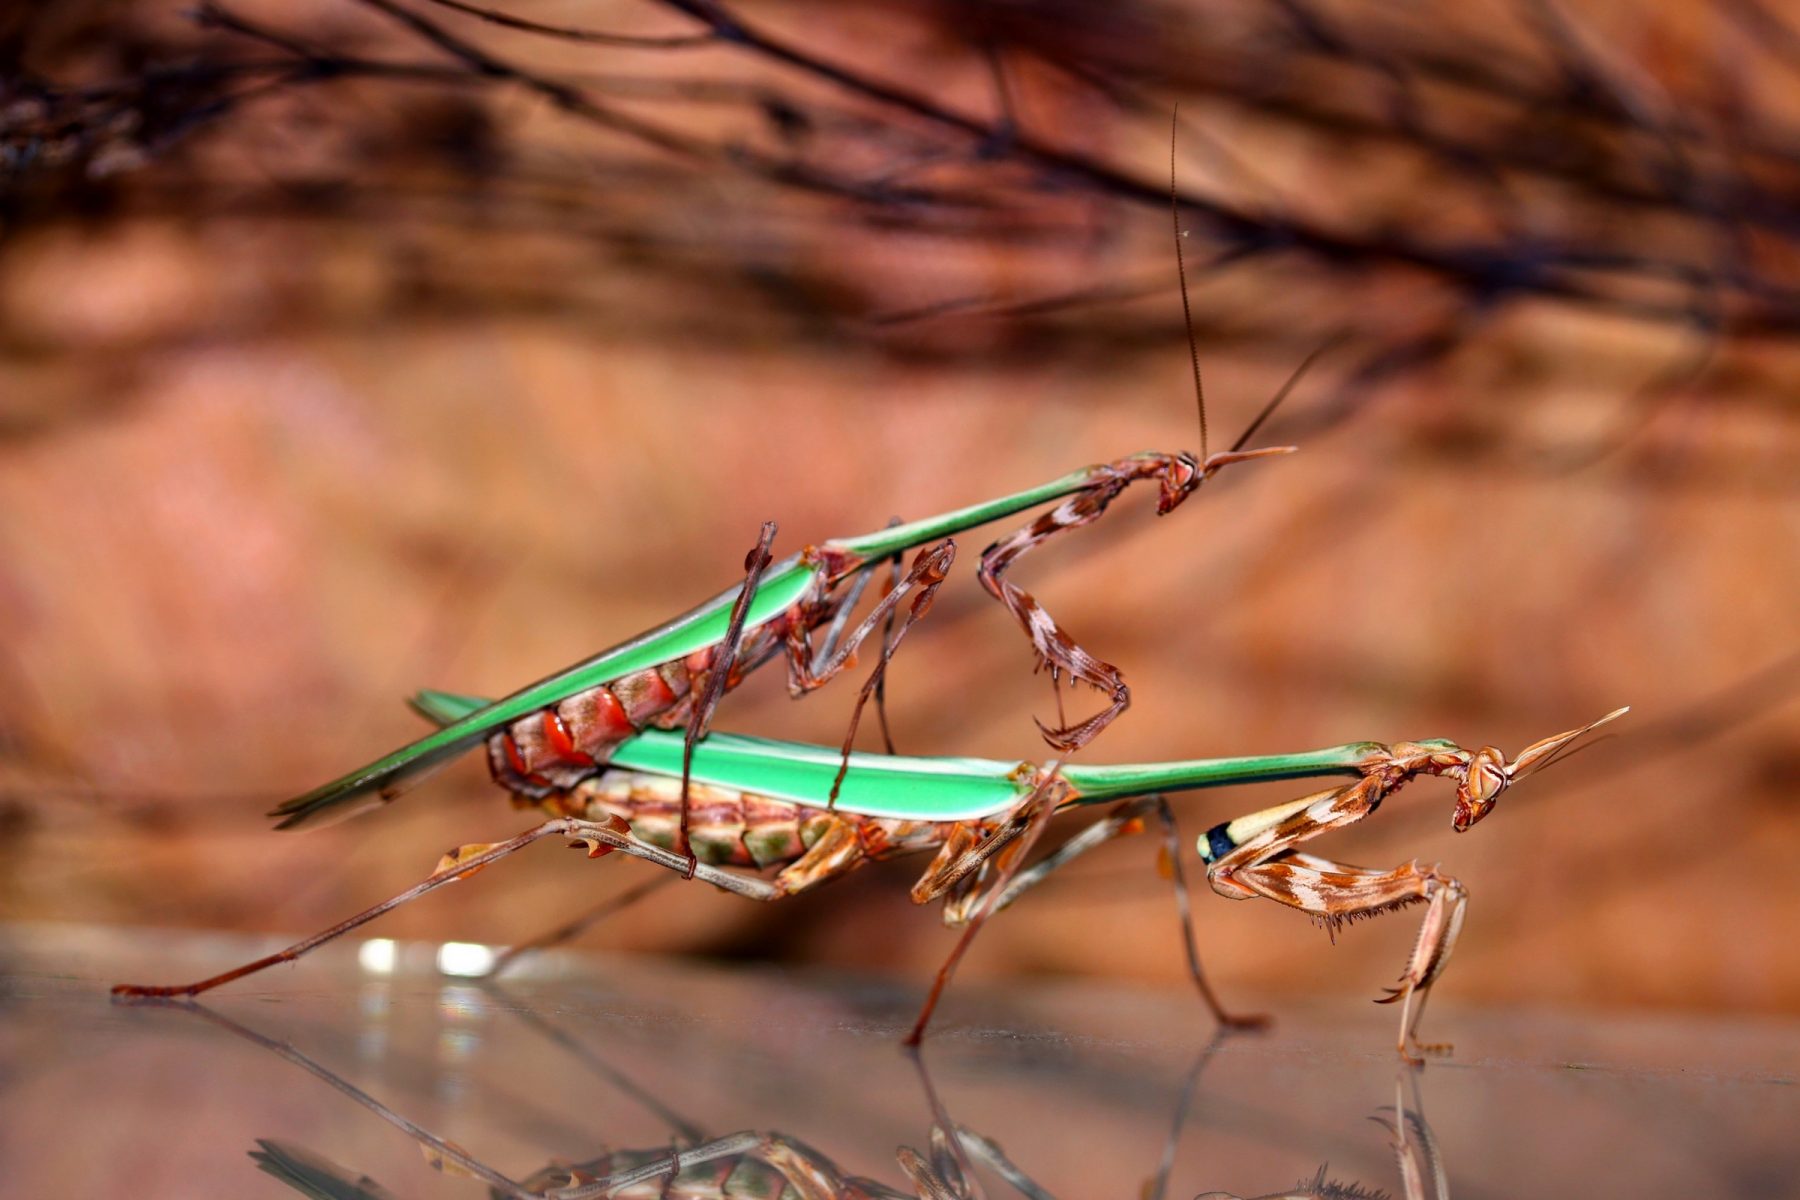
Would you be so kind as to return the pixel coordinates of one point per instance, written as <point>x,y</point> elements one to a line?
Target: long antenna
<point>1187,314</point>
<point>1292,380</point>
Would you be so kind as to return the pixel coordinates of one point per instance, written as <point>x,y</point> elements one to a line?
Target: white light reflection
<point>464,958</point>
<point>377,956</point>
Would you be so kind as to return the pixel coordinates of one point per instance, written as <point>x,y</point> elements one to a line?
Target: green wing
<point>386,777</point>
<point>878,785</point>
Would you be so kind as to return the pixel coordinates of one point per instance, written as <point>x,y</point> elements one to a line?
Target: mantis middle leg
<point>927,574</point>
<point>1126,818</point>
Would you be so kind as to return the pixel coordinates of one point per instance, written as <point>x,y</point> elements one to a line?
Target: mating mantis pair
<point>810,815</point>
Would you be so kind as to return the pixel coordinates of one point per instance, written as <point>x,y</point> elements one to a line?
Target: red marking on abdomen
<point>516,761</point>
<point>557,734</point>
<point>644,695</point>
<point>596,722</point>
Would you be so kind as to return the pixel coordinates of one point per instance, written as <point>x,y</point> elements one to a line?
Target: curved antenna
<point>1293,381</point>
<point>1187,314</point>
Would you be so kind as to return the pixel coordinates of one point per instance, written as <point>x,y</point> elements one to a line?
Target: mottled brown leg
<point>1057,652</point>
<point>719,678</point>
<point>927,574</point>
<point>1127,818</point>
<point>464,862</point>
<point>457,865</point>
<point>1016,837</point>
<point>1337,893</point>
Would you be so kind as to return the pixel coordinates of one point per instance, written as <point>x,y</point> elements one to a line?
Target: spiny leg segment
<point>1267,864</point>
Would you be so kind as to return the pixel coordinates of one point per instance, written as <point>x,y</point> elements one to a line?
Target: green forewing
<point>878,785</point>
<point>931,789</point>
<point>781,586</point>
<point>924,789</point>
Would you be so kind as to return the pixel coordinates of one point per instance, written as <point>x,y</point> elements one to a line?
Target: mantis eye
<point>1484,780</point>
<point>1181,477</point>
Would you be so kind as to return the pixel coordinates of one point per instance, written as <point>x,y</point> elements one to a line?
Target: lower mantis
<point>746,1165</point>
<point>752,1163</point>
<point>768,805</point>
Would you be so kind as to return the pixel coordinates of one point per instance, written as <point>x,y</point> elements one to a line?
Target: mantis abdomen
<point>732,828</point>
<point>560,745</point>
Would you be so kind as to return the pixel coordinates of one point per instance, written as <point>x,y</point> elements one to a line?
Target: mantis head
<point>1487,773</point>
<point>1184,473</point>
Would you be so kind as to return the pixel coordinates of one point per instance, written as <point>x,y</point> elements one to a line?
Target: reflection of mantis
<point>740,1166</point>
<point>752,1165</point>
<point>766,805</point>
<point>1422,1174</point>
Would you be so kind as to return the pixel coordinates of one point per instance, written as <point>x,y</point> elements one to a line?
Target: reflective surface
<point>300,1084</point>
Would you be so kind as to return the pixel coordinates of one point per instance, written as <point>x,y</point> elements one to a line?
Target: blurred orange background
<point>319,387</point>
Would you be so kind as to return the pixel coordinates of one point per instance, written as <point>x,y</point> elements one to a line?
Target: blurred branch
<point>1476,166</point>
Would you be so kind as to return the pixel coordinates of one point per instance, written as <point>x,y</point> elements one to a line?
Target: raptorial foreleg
<point>1338,893</point>
<point>1177,476</point>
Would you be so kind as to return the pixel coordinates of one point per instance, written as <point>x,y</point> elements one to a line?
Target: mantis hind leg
<point>461,863</point>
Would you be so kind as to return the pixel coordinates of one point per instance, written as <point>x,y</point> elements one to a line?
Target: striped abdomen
<point>728,828</point>
<point>555,748</point>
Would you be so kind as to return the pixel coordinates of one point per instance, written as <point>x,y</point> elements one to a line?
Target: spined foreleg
<point>1337,893</point>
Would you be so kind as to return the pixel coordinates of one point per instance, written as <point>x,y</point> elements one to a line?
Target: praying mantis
<point>552,734</point>
<point>791,808</point>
